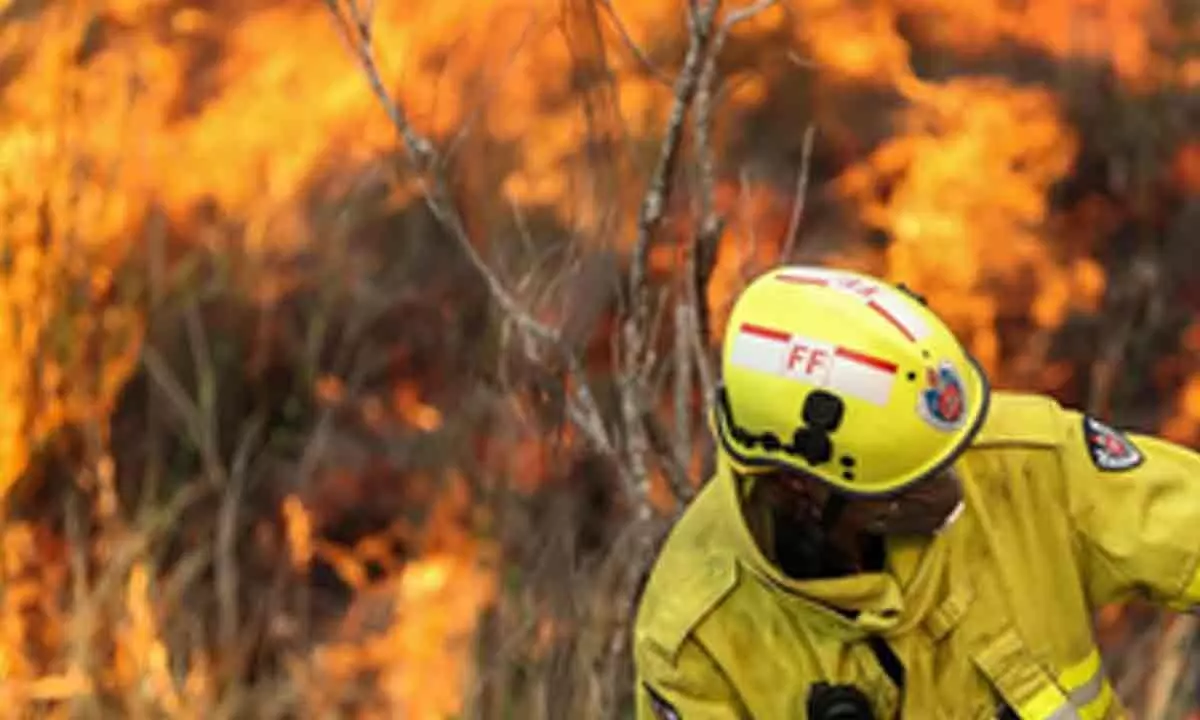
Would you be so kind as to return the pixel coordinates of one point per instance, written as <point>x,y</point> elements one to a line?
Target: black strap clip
<point>838,702</point>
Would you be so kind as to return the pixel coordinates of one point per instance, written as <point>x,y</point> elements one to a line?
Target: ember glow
<point>130,125</point>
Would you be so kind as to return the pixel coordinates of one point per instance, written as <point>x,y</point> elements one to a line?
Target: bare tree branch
<point>586,413</point>
<point>355,31</point>
<point>673,469</point>
<point>738,16</point>
<point>708,381</point>
<point>798,61</point>
<point>692,314</point>
<point>635,364</point>
<point>801,195</point>
<point>1171,663</point>
<point>683,379</point>
<point>472,117</point>
<point>1132,302</point>
<point>710,223</point>
<point>353,25</point>
<point>225,554</point>
<point>746,216</point>
<point>657,196</point>
<point>638,54</point>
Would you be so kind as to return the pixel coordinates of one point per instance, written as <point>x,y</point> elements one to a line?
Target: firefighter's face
<point>922,509</point>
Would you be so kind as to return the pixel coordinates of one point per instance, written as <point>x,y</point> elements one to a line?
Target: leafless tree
<point>633,438</point>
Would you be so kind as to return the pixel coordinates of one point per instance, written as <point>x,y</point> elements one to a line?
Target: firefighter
<point>884,536</point>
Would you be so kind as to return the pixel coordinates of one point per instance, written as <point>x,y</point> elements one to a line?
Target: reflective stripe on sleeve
<point>1087,687</point>
<point>1085,694</point>
<point>1048,704</point>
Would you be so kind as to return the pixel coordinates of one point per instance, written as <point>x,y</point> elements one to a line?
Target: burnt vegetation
<point>429,368</point>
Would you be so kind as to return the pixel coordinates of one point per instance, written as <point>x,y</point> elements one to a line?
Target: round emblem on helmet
<point>943,401</point>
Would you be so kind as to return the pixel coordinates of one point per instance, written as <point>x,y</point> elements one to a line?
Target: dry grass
<point>269,520</point>
<point>399,442</point>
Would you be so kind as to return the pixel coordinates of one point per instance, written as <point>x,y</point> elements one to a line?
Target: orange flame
<point>298,526</point>
<point>141,659</point>
<point>966,206</point>
<point>431,610</point>
<point>415,412</point>
<point>126,108</point>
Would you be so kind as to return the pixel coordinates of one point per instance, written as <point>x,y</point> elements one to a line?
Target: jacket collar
<point>890,602</point>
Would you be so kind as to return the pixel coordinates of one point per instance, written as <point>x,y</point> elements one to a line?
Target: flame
<point>1186,168</point>
<point>20,595</point>
<point>1183,425</point>
<point>1135,38</point>
<point>961,189</point>
<point>129,121</point>
<point>298,526</point>
<point>415,412</point>
<point>431,608</point>
<point>758,218</point>
<point>1122,34</point>
<point>965,187</point>
<point>141,659</point>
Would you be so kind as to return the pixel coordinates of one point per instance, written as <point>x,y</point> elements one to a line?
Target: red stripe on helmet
<point>765,332</point>
<point>875,362</point>
<point>893,320</point>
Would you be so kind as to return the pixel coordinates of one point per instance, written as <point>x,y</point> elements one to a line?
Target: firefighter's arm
<point>1135,505</point>
<point>686,684</point>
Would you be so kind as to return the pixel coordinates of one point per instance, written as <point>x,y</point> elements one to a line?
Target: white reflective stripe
<point>1035,710</point>
<point>951,518</point>
<point>818,363</point>
<point>1085,695</point>
<point>759,349</point>
<point>1098,709</point>
<point>1087,692</point>
<point>1087,687</point>
<point>897,311</point>
<point>1065,712</point>
<point>1084,679</point>
<point>1049,703</point>
<point>880,297</point>
<point>1090,702</point>
<point>862,376</point>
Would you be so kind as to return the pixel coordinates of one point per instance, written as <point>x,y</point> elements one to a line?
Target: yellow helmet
<point>844,378</point>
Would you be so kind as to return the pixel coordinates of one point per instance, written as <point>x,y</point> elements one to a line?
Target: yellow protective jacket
<point>1061,518</point>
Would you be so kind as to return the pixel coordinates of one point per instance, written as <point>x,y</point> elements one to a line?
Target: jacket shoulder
<point>689,580</point>
<point>1022,419</point>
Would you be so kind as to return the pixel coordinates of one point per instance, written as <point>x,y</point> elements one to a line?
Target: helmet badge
<point>942,402</point>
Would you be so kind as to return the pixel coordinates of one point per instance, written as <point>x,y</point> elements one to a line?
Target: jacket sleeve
<point>688,686</point>
<point>1134,502</point>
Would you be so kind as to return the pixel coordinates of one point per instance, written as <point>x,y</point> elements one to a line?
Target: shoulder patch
<point>1110,449</point>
